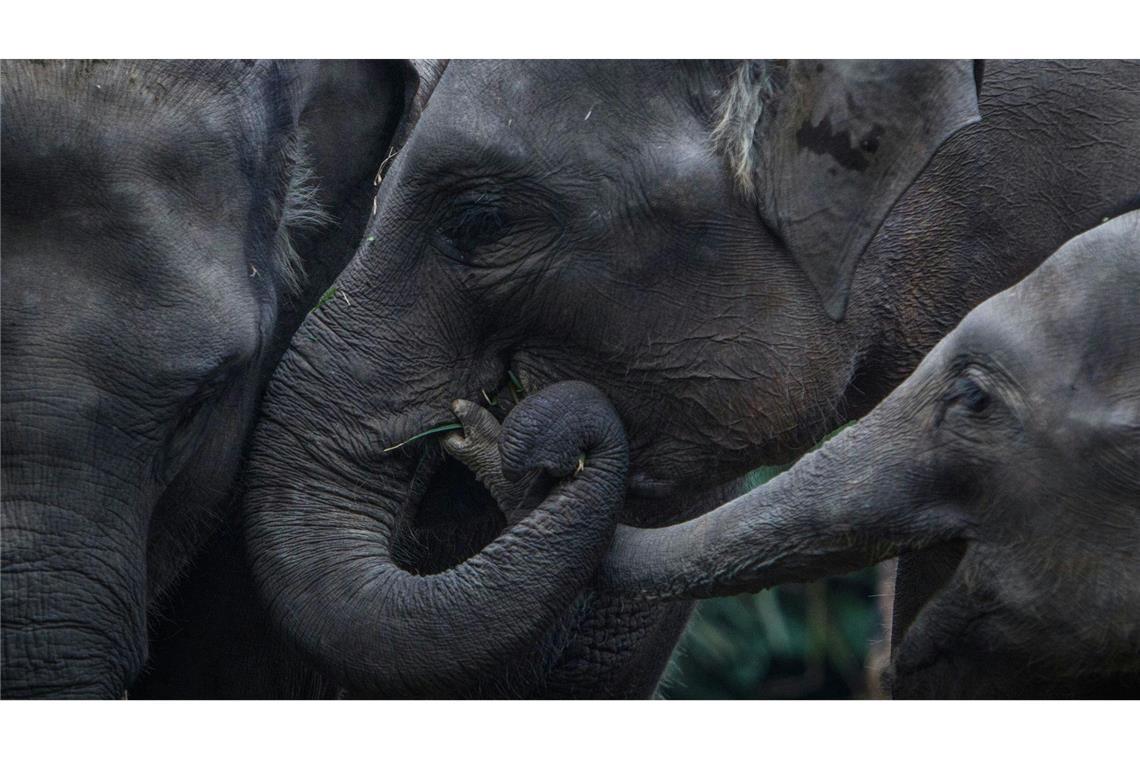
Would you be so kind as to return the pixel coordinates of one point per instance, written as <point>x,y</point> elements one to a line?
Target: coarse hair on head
<point>750,90</point>
<point>300,212</point>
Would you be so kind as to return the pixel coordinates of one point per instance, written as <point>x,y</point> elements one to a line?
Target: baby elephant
<point>1027,419</point>
<point>1016,442</point>
<point>1015,445</point>
<point>1019,433</point>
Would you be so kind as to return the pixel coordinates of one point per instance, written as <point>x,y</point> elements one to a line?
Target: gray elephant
<point>1019,435</point>
<point>166,225</point>
<point>739,256</point>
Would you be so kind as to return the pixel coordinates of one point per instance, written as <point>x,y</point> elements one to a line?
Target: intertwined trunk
<point>73,567</point>
<point>323,510</point>
<point>862,498</point>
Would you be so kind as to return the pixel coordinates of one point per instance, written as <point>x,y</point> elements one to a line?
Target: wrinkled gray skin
<point>581,220</point>
<point>1020,432</point>
<point>606,645</point>
<point>149,211</point>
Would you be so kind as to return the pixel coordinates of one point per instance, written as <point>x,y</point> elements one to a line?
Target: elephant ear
<point>353,116</point>
<point>421,77</point>
<point>841,142</point>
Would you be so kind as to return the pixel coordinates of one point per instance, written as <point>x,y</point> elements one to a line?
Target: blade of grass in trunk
<point>325,298</point>
<point>515,387</point>
<point>430,431</point>
<point>515,384</point>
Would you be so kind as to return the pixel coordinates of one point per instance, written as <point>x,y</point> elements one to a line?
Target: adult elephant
<point>166,225</point>
<point>1020,432</point>
<point>738,255</point>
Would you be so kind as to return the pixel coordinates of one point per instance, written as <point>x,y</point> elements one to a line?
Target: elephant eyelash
<point>211,387</point>
<point>192,417</point>
<point>965,393</point>
<point>473,226</point>
<point>971,395</point>
<point>489,227</point>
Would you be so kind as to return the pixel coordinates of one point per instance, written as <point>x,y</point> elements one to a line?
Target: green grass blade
<point>430,431</point>
<point>325,298</point>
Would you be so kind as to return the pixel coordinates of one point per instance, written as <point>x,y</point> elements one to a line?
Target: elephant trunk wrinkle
<point>835,511</point>
<point>374,626</point>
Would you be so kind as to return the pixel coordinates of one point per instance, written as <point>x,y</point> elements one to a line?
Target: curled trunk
<point>321,544</point>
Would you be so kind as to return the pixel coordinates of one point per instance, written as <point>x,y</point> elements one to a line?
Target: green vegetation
<point>327,296</point>
<point>793,642</point>
<point>430,431</point>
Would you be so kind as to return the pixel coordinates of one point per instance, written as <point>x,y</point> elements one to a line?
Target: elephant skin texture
<point>1017,442</point>
<point>696,257</point>
<point>167,225</point>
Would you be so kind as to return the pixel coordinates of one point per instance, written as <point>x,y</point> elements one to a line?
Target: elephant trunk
<point>861,498</point>
<point>73,568</point>
<point>321,535</point>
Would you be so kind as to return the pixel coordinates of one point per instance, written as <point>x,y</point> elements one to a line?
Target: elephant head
<point>1020,432</point>
<point>166,227</point>
<point>681,235</point>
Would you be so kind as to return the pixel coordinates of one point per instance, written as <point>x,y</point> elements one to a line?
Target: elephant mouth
<point>448,516</point>
<point>941,564</point>
<point>657,503</point>
<point>644,486</point>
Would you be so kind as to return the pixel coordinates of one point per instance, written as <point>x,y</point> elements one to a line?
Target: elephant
<point>167,225</point>
<point>739,256</point>
<point>1016,440</point>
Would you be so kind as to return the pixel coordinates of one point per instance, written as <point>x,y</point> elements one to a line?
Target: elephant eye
<point>474,226</point>
<point>970,395</point>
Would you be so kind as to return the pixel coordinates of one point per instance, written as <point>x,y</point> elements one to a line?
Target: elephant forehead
<point>58,103</point>
<point>578,108</point>
<point>105,146</point>
<point>548,84</point>
<point>1076,314</point>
